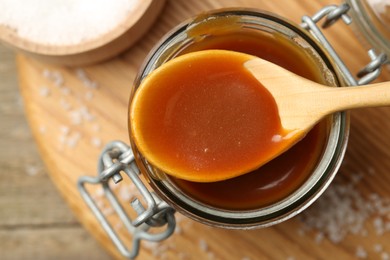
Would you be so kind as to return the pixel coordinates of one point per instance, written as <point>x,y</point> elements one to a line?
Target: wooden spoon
<point>300,104</point>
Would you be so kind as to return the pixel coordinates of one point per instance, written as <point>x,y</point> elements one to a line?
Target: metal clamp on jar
<point>307,46</point>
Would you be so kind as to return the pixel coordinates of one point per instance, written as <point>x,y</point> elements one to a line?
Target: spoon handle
<point>345,98</point>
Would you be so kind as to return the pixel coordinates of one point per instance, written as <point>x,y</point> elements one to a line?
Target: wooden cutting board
<point>73,112</point>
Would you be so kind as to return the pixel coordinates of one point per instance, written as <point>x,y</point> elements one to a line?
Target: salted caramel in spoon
<point>214,115</point>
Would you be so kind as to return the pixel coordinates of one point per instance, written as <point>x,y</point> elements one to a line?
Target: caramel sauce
<point>280,177</point>
<point>193,127</point>
<point>206,118</point>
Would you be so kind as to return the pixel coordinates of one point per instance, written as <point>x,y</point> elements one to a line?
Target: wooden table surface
<point>55,97</point>
<point>35,222</point>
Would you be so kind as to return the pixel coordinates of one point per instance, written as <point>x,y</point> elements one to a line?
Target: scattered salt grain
<point>210,255</point>
<point>379,226</point>
<point>276,138</point>
<point>96,127</point>
<point>86,114</point>
<point>203,245</point>
<point>73,140</point>
<point>89,95</point>
<point>126,192</point>
<point>63,22</point>
<point>156,248</point>
<point>66,91</point>
<point>77,116</point>
<point>82,75</point>
<point>118,226</point>
<point>361,253</point>
<point>96,142</point>
<point>65,130</point>
<point>44,91</point>
<point>107,211</point>
<point>183,256</point>
<point>378,248</point>
<point>99,193</point>
<point>178,230</point>
<point>319,237</point>
<point>54,76</point>
<point>42,129</point>
<point>385,256</point>
<point>65,104</point>
<point>32,170</point>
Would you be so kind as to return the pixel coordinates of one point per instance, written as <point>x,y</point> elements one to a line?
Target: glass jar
<point>282,42</point>
<point>372,22</point>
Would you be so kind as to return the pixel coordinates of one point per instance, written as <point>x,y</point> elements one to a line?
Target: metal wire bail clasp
<point>116,159</point>
<point>331,14</point>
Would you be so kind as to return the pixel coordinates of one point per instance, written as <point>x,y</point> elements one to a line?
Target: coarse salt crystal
<point>65,130</point>
<point>203,245</point>
<point>276,138</point>
<point>66,91</point>
<point>42,129</point>
<point>378,248</point>
<point>182,256</point>
<point>89,95</point>
<point>75,117</point>
<point>96,142</point>
<point>54,76</point>
<point>107,211</point>
<point>44,91</point>
<point>96,127</point>
<point>65,105</point>
<point>32,170</point>
<point>82,75</point>
<point>319,237</point>
<point>361,253</point>
<point>73,140</point>
<point>210,255</point>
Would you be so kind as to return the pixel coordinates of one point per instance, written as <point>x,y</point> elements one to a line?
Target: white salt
<point>32,170</point>
<point>42,129</point>
<point>65,130</point>
<point>96,142</point>
<point>385,256</point>
<point>73,140</point>
<point>65,104</point>
<point>44,91</point>
<point>89,95</point>
<point>54,76</point>
<point>203,245</point>
<point>65,90</point>
<point>64,22</point>
<point>85,79</point>
<point>378,248</point>
<point>96,127</point>
<point>276,138</point>
<point>361,253</point>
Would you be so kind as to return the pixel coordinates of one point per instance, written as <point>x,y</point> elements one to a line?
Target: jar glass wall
<point>371,19</point>
<point>279,192</point>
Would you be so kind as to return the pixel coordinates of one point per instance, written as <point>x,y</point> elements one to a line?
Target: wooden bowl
<point>92,51</point>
